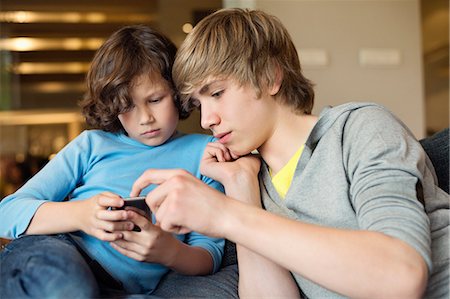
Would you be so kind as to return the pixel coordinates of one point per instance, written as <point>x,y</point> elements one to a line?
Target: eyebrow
<point>205,88</point>
<point>159,91</point>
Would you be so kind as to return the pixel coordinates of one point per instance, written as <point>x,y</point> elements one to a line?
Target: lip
<point>151,133</point>
<point>223,137</point>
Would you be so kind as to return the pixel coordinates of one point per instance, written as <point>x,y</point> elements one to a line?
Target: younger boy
<point>79,247</point>
<point>353,209</point>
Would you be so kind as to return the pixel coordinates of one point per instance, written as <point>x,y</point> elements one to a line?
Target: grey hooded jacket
<point>362,169</point>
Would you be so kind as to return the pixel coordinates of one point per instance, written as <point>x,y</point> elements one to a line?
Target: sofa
<point>224,283</point>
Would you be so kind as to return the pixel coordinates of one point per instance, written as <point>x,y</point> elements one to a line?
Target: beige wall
<point>435,37</point>
<point>172,15</point>
<point>335,32</point>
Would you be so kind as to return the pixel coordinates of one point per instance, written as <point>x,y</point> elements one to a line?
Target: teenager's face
<point>235,115</point>
<point>153,118</point>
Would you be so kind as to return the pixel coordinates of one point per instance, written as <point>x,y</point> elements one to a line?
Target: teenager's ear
<point>275,88</point>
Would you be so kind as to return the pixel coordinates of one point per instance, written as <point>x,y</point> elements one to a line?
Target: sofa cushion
<point>437,148</point>
<point>223,284</point>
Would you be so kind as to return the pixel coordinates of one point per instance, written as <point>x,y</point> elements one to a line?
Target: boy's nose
<point>146,117</point>
<point>208,118</point>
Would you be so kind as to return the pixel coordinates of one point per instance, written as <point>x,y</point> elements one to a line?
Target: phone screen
<point>137,203</point>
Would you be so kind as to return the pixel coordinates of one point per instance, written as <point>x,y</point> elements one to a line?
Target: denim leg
<point>45,267</point>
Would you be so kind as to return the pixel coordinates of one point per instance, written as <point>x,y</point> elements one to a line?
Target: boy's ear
<point>275,88</point>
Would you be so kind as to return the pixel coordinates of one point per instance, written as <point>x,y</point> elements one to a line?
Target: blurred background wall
<point>371,52</point>
<point>393,52</point>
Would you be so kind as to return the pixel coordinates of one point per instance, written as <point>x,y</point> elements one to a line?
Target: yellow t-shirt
<point>283,179</point>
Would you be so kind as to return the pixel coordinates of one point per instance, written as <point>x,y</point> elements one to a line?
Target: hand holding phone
<point>137,203</point>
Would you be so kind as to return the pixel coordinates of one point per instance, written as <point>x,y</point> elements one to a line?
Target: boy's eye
<point>155,100</point>
<point>217,94</point>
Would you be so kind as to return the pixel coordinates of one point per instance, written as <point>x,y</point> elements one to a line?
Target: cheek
<point>126,121</point>
<point>171,113</point>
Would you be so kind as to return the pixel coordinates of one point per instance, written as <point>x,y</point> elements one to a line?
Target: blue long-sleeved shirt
<point>98,161</point>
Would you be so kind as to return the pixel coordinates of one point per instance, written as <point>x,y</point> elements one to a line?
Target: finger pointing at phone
<point>181,202</point>
<point>153,176</point>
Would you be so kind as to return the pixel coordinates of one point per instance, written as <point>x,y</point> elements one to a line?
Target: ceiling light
<point>187,28</point>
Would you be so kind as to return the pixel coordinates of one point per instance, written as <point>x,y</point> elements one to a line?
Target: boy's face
<point>153,118</point>
<point>236,116</point>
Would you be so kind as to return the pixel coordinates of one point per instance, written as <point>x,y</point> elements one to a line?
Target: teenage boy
<point>347,203</point>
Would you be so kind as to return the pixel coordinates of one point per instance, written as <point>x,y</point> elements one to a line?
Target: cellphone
<point>137,202</point>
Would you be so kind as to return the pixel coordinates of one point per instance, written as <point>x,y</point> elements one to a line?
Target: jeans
<point>45,267</point>
<point>42,266</point>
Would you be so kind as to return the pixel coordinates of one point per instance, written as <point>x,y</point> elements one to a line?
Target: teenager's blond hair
<point>248,46</point>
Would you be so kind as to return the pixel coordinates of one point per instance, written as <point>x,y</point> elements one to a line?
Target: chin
<point>240,153</point>
<point>153,142</point>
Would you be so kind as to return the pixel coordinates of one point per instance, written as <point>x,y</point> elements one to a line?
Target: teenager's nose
<point>209,118</point>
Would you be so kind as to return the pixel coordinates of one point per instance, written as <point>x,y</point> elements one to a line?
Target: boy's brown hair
<point>248,46</point>
<point>128,53</point>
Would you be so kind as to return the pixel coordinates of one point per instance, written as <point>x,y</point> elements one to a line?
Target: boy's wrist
<point>79,212</point>
<point>244,188</point>
<point>174,247</point>
<point>243,174</point>
<point>233,219</point>
<point>237,180</point>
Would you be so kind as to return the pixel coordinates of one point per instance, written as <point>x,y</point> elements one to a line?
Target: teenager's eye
<point>217,94</point>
